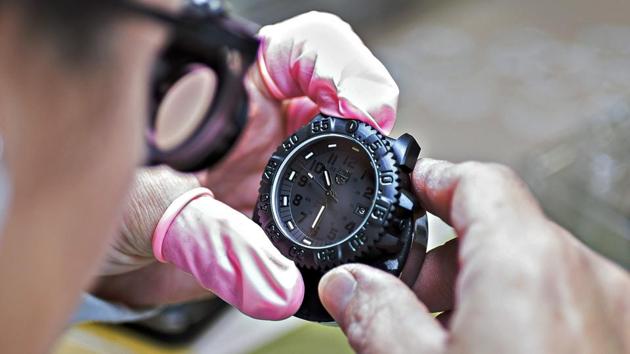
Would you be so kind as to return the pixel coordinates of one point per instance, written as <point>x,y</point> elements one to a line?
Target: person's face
<point>74,132</point>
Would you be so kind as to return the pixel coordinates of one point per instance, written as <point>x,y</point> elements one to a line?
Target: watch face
<point>330,193</point>
<point>324,191</point>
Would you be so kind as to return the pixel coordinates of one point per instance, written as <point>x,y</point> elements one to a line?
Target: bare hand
<point>524,284</point>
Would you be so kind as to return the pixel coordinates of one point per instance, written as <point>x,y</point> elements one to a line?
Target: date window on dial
<point>360,210</point>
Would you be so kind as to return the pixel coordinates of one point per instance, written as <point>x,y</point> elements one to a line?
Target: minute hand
<point>318,217</point>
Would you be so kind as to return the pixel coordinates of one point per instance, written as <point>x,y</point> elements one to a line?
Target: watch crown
<point>406,150</point>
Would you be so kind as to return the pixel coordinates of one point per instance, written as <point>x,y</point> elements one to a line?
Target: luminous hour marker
<point>355,148</point>
<point>285,200</point>
<point>290,225</point>
<point>331,146</point>
<point>309,155</point>
<point>292,175</point>
<point>310,175</point>
<point>307,242</point>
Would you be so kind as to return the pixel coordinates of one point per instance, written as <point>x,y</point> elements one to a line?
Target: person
<point>71,109</point>
<point>75,81</point>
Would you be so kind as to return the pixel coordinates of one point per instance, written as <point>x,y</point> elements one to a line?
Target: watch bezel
<point>357,244</point>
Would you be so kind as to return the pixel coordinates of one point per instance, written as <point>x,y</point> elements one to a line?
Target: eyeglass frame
<point>204,33</point>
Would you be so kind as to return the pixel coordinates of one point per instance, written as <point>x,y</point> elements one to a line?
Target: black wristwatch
<point>338,191</point>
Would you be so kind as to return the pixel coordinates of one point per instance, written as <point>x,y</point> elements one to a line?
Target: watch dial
<point>325,191</point>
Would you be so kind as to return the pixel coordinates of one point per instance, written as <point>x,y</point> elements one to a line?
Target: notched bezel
<point>388,183</point>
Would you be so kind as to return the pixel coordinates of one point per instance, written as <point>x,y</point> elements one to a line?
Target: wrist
<point>168,218</point>
<point>154,191</point>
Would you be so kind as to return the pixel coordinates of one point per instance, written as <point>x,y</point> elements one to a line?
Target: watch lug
<point>389,244</point>
<point>406,150</point>
<point>407,202</point>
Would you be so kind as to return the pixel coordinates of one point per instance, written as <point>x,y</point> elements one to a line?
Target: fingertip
<point>425,166</point>
<point>385,119</point>
<point>367,302</point>
<point>299,111</point>
<point>275,290</point>
<point>290,300</point>
<point>295,294</point>
<point>231,256</point>
<point>298,295</point>
<point>433,185</point>
<point>336,289</point>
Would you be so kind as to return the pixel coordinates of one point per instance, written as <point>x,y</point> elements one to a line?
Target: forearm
<point>149,199</point>
<point>614,283</point>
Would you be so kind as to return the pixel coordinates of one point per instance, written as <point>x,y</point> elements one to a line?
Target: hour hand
<point>328,191</point>
<point>327,179</point>
<point>328,182</point>
<point>328,188</point>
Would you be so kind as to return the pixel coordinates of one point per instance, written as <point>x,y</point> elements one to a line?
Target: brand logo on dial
<point>342,177</point>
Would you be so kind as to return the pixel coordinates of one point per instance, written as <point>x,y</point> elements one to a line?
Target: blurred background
<point>542,86</point>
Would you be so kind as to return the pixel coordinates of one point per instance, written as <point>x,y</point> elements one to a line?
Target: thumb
<point>378,312</point>
<point>228,254</point>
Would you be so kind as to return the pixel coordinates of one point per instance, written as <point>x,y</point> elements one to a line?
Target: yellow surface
<point>309,339</point>
<point>100,339</point>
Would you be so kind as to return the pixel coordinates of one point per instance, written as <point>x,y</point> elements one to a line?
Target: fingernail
<point>336,289</point>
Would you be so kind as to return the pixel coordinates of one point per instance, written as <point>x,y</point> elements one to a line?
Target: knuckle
<point>326,17</point>
<point>471,171</point>
<point>547,244</point>
<point>474,171</point>
<point>502,171</point>
<point>332,22</point>
<point>530,256</point>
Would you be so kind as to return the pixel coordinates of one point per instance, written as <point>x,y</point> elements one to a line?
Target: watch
<point>338,191</point>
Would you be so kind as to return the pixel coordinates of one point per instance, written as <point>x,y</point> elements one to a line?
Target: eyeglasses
<point>198,99</point>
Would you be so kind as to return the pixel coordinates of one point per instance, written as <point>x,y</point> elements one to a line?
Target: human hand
<point>524,284</point>
<point>310,63</point>
<point>226,253</point>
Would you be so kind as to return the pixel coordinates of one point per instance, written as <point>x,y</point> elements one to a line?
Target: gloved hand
<point>307,64</point>
<point>311,63</point>
<point>172,220</point>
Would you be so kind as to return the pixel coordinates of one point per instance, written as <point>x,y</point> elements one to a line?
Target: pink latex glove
<point>173,227</point>
<point>310,63</point>
<point>228,254</point>
<point>318,56</point>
